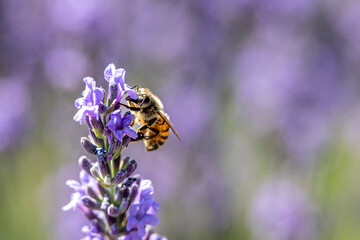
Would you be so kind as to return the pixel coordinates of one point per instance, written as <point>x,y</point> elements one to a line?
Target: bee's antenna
<point>136,86</point>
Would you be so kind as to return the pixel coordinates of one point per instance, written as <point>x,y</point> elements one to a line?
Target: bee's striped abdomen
<point>157,139</point>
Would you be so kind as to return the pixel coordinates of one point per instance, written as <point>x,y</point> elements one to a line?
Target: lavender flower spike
<point>113,75</point>
<point>89,103</point>
<point>120,126</point>
<point>119,206</point>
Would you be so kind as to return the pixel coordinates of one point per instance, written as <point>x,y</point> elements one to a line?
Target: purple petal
<point>85,229</point>
<point>84,177</point>
<point>132,93</point>
<point>111,125</point>
<point>141,229</point>
<point>73,184</point>
<point>131,133</point>
<point>75,197</point>
<point>79,102</point>
<point>98,96</point>
<point>116,113</point>
<point>90,82</point>
<point>133,209</point>
<point>79,115</point>
<point>109,72</point>
<point>70,205</point>
<point>151,219</point>
<point>132,222</point>
<point>127,119</point>
<point>120,77</point>
<point>114,120</point>
<point>156,236</point>
<point>120,95</point>
<point>92,111</point>
<point>131,236</point>
<point>146,188</point>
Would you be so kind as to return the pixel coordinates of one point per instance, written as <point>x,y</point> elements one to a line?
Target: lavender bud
<point>107,179</point>
<point>104,92</point>
<point>108,117</point>
<point>95,171</point>
<point>131,167</point>
<point>102,108</point>
<point>105,203</point>
<point>102,190</point>
<point>87,120</point>
<point>113,210</point>
<point>138,179</point>
<point>88,213</point>
<point>119,177</point>
<point>90,202</point>
<point>97,124</point>
<point>113,90</point>
<point>109,157</point>
<point>120,194</point>
<point>111,220</point>
<point>87,145</point>
<point>133,192</point>
<point>98,141</point>
<point>129,181</point>
<point>115,164</point>
<point>99,226</point>
<point>114,230</point>
<point>104,168</point>
<point>124,205</point>
<point>115,146</point>
<point>126,192</point>
<point>106,132</point>
<point>125,161</point>
<point>92,193</point>
<point>85,164</point>
<point>126,140</point>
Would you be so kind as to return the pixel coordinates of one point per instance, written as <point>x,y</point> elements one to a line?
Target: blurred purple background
<point>265,95</point>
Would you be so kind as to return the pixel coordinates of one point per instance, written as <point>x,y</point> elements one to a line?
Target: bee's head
<point>143,99</point>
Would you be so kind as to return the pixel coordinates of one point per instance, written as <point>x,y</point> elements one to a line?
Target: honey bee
<point>154,122</point>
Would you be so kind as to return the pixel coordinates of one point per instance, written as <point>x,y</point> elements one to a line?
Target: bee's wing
<point>163,115</point>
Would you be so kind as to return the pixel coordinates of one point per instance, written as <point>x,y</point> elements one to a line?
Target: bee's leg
<point>141,131</point>
<point>133,122</point>
<point>130,108</point>
<point>139,138</point>
<point>142,137</point>
<point>146,126</point>
<point>149,124</point>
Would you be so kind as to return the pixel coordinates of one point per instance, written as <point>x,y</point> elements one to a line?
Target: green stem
<point>112,193</point>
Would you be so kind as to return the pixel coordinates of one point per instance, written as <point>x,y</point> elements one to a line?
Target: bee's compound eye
<point>127,98</point>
